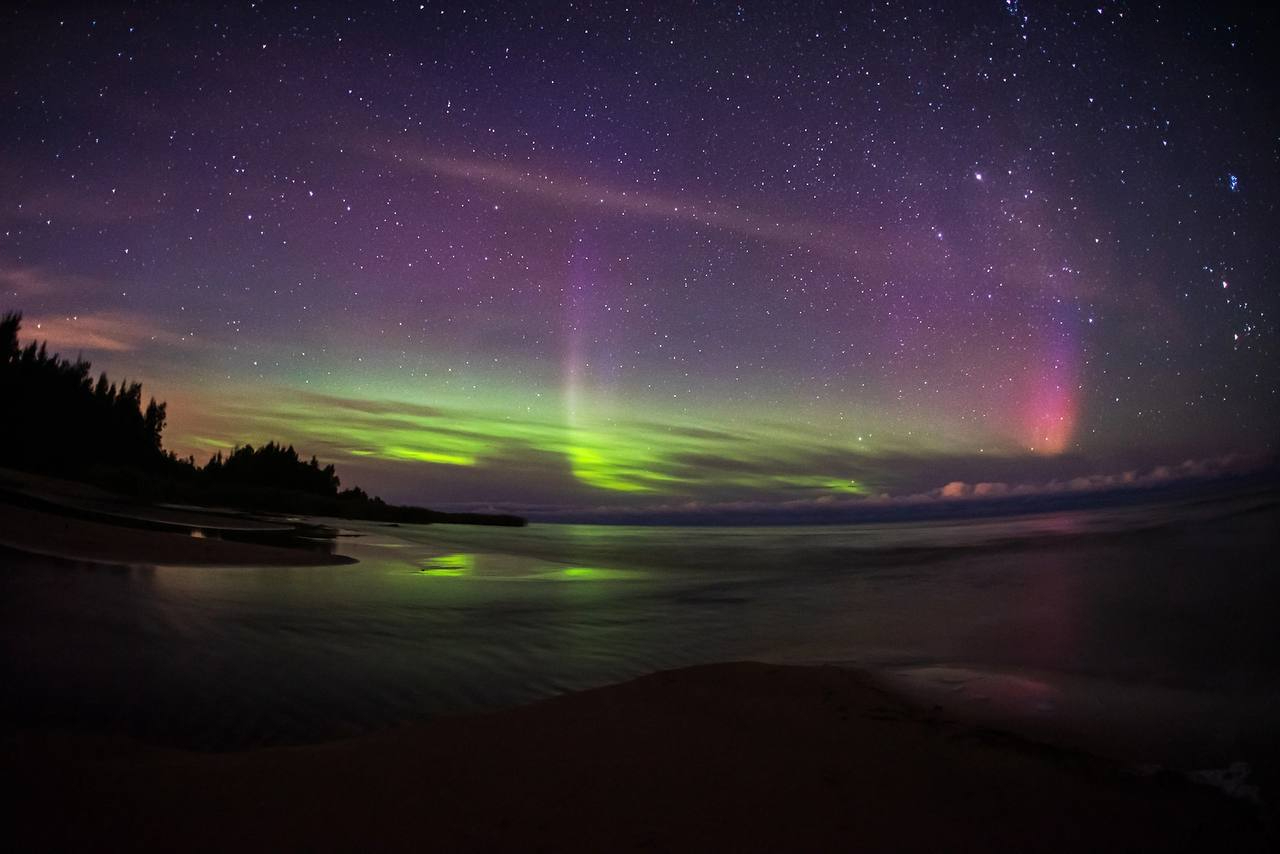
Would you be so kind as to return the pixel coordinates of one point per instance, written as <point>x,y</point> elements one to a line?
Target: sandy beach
<point>732,756</point>
<point>722,757</point>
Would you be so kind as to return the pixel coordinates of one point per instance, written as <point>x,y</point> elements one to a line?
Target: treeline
<point>59,420</point>
<point>273,465</point>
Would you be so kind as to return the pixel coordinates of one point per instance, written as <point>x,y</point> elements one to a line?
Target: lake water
<point>1140,616</point>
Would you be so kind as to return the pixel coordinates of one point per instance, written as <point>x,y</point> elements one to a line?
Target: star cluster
<point>587,254</point>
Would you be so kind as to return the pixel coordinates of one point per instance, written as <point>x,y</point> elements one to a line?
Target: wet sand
<point>58,535</point>
<point>78,521</point>
<point>744,757</point>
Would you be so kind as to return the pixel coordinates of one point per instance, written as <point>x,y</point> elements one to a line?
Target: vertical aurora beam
<point>1051,409</point>
<point>598,455</point>
<point>571,366</point>
<point>588,462</point>
<point>574,364</point>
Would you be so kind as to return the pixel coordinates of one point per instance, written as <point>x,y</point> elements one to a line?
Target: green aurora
<point>598,452</point>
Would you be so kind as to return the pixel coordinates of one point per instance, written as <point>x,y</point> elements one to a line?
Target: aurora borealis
<point>684,254</point>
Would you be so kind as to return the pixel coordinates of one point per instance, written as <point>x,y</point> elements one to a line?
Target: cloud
<point>1157,476</point>
<point>956,495</point>
<point>114,332</point>
<point>865,247</point>
<point>27,281</point>
<point>24,281</point>
<point>138,198</point>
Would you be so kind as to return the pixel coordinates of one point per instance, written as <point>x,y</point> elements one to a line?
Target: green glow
<point>844,486</point>
<point>617,473</point>
<point>449,565</point>
<point>609,446</point>
<point>429,457</point>
<point>848,487</point>
<point>220,444</point>
<point>596,573</point>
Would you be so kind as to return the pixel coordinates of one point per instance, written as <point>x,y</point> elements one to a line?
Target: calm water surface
<point>1169,608</point>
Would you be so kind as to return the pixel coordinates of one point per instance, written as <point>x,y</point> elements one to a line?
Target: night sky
<point>680,254</point>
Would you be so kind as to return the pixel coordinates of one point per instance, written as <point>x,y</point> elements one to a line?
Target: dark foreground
<point>720,757</point>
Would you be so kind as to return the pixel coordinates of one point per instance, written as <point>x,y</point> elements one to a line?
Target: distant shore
<point>742,757</point>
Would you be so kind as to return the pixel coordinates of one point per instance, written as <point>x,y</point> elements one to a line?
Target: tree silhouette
<point>58,420</point>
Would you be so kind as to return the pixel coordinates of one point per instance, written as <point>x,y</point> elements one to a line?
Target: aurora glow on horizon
<point>610,257</point>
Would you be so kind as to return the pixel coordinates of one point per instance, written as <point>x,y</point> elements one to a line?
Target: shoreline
<point>62,536</point>
<point>76,521</point>
<point>740,756</point>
